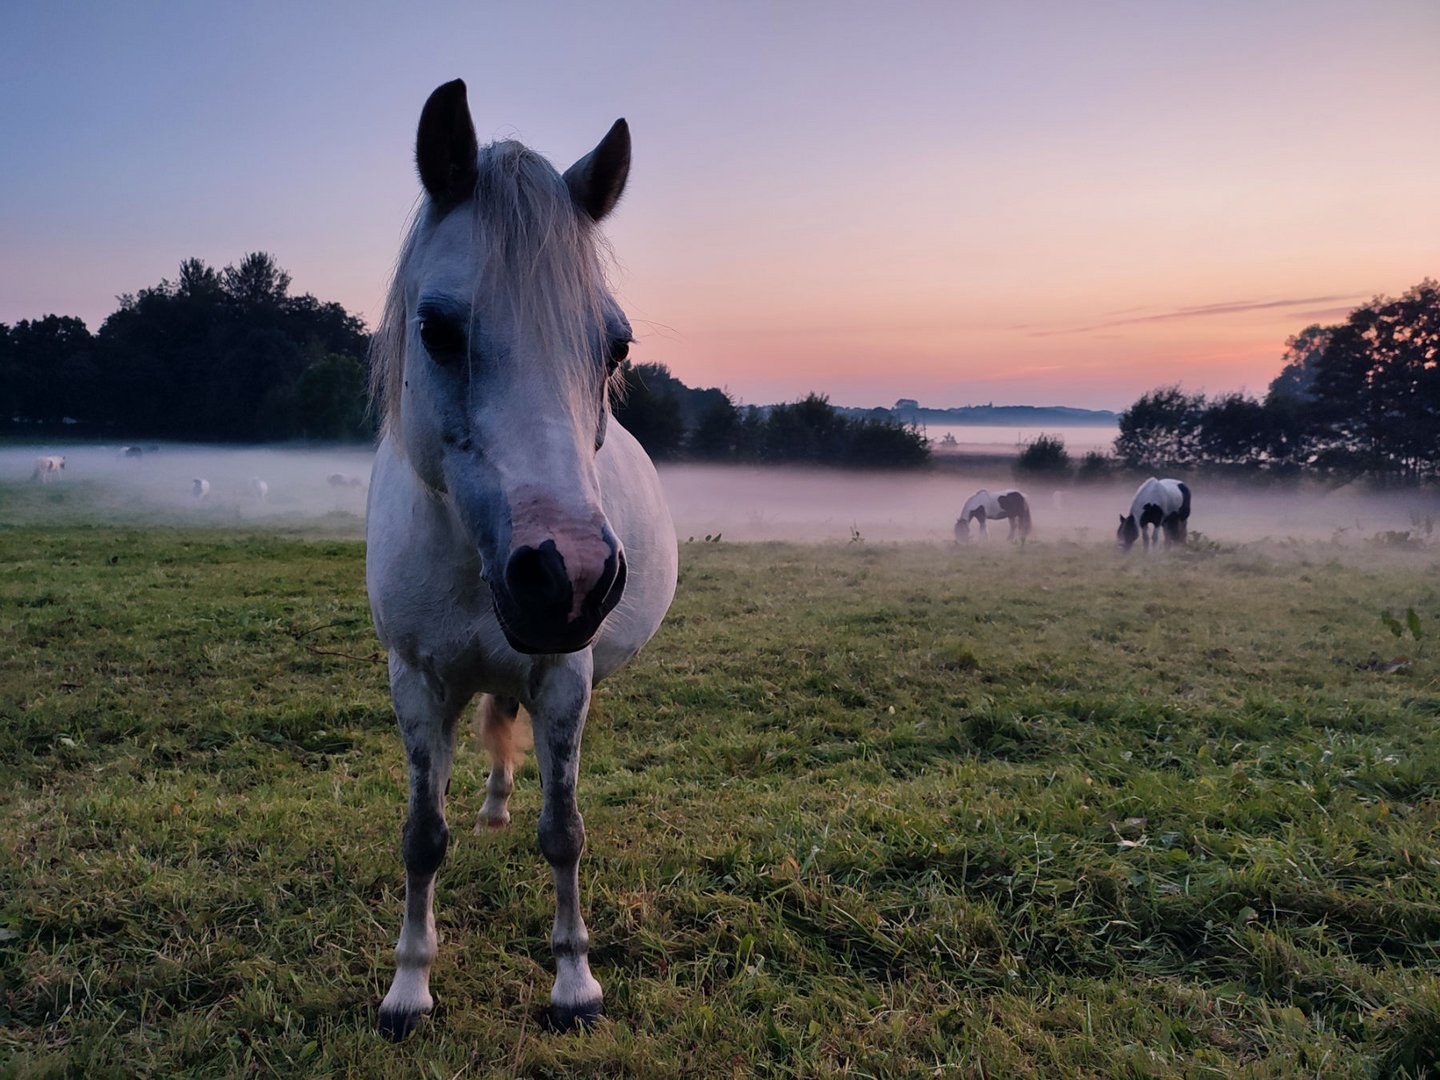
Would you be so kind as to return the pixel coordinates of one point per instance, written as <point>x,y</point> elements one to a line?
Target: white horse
<point>1158,505</point>
<point>259,488</point>
<point>1009,505</point>
<point>48,468</point>
<point>199,488</point>
<point>518,542</point>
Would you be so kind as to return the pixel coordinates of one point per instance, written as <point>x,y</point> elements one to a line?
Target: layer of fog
<point>157,482</point>
<point>822,505</point>
<point>988,439</point>
<point>324,489</point>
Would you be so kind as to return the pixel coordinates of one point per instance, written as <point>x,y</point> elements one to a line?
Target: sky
<point>1013,202</point>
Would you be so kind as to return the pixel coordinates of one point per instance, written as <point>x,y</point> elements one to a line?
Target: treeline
<point>672,420</point>
<point>1360,398</point>
<point>216,355</point>
<point>230,355</point>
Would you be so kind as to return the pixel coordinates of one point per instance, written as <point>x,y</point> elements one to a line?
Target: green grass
<point>856,811</point>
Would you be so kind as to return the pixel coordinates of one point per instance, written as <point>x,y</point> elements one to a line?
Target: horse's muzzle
<point>535,601</point>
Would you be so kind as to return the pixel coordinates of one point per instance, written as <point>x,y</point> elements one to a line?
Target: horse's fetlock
<point>417,954</point>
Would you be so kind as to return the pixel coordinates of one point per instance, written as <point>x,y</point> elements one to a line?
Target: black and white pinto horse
<point>983,506</point>
<point>518,543</point>
<point>1158,505</point>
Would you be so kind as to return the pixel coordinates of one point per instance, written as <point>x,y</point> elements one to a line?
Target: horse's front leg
<point>427,724</point>
<point>561,699</point>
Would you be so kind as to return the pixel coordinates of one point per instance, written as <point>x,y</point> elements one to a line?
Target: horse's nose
<point>537,577</point>
<point>539,607</point>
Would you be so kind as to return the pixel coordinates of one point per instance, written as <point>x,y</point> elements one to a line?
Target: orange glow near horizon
<point>1043,203</point>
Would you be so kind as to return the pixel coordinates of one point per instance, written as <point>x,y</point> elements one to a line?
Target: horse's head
<point>962,530</point>
<point>494,359</point>
<point>1128,532</point>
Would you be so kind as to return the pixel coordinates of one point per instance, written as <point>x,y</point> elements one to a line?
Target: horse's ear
<point>445,147</point>
<point>1122,519</point>
<point>597,179</point>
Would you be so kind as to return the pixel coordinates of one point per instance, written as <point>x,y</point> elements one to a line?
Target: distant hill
<point>909,411</point>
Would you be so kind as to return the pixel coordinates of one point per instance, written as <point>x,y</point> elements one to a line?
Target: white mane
<point>540,256</point>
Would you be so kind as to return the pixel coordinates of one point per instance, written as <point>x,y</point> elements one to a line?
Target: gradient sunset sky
<point>1018,202</point>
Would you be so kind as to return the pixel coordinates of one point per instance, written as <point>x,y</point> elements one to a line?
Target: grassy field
<point>857,811</point>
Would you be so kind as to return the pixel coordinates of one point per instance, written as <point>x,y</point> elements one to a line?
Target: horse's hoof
<point>567,1018</point>
<point>397,1025</point>
<point>492,819</point>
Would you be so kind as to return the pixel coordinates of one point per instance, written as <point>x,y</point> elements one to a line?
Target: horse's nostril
<point>611,586</point>
<point>538,574</point>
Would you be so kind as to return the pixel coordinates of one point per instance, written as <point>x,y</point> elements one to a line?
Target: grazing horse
<point>1158,505</point>
<point>518,542</point>
<point>259,488</point>
<point>199,488</point>
<point>48,468</point>
<point>340,479</point>
<point>1010,505</point>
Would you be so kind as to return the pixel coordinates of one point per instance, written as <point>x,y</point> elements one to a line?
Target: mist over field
<point>818,505</point>
<point>159,484</point>
<point>324,489</point>
<point>987,439</point>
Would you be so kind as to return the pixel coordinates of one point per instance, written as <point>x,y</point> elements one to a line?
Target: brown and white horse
<point>1009,505</point>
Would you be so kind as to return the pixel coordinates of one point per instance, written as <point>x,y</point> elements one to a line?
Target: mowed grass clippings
<point>856,811</point>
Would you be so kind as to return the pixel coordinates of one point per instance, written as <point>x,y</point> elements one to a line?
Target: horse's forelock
<point>550,256</point>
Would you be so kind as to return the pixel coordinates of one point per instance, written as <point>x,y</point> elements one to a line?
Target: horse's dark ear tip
<point>454,90</point>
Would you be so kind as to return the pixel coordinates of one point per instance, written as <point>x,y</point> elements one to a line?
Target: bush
<point>1044,455</point>
<point>1095,466</point>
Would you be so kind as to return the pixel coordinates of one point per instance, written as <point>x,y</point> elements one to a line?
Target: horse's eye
<point>619,350</point>
<point>443,340</point>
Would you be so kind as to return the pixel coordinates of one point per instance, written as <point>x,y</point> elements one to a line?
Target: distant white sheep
<point>48,468</point>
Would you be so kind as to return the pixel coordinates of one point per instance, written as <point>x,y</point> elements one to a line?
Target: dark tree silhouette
<point>1358,398</point>
<point>671,419</point>
<point>1296,378</point>
<point>257,283</point>
<point>222,355</point>
<point>1235,432</point>
<point>47,369</point>
<point>1044,455</point>
<point>1161,430</point>
<point>718,431</point>
<point>649,408</point>
<point>1376,391</point>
